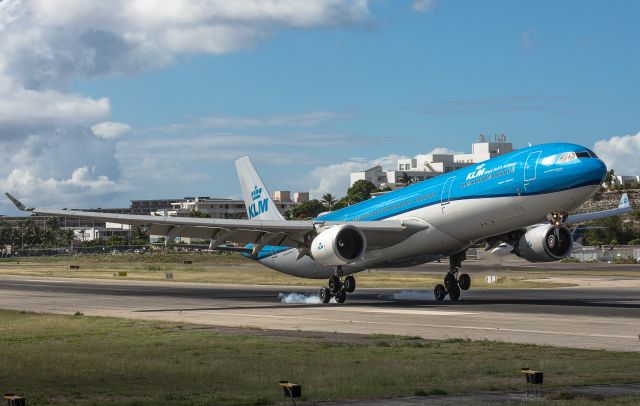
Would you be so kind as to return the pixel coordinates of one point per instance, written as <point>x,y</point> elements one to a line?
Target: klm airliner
<point>521,198</point>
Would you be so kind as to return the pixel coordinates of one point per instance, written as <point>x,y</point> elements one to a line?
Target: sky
<point>105,102</point>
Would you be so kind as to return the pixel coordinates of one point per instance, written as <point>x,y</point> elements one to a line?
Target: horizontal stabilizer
<point>623,208</point>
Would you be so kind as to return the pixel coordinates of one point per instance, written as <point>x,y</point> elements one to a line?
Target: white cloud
<point>335,178</point>
<point>63,145</point>
<point>310,119</point>
<point>443,151</point>
<point>110,130</point>
<point>83,187</point>
<point>423,5</point>
<point>23,110</point>
<point>50,42</point>
<point>620,153</point>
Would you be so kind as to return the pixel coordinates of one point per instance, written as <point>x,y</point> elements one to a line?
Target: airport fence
<point>624,253</point>
<point>47,252</point>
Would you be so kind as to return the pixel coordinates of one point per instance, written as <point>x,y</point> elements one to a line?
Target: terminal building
<point>426,166</point>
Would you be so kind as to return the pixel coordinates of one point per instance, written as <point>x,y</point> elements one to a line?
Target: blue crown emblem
<point>257,191</point>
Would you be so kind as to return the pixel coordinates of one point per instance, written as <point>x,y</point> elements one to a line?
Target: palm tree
<point>328,201</point>
<point>405,179</point>
<point>51,231</point>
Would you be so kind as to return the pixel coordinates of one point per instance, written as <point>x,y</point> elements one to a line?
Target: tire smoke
<point>299,298</point>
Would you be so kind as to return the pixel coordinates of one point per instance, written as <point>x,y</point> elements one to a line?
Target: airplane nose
<point>595,169</point>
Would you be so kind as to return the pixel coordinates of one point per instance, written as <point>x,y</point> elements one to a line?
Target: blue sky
<point>310,102</point>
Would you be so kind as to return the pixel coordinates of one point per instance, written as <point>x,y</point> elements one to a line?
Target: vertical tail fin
<point>624,201</point>
<point>260,205</point>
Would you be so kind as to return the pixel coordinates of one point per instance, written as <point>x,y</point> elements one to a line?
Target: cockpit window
<point>583,154</point>
<point>593,154</point>
<point>566,157</point>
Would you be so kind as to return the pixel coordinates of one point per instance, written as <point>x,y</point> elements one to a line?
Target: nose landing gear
<point>453,284</point>
<point>337,288</point>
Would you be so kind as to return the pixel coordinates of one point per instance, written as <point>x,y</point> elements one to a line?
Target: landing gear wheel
<point>439,292</point>
<point>349,284</point>
<point>341,296</point>
<point>450,281</point>
<point>325,295</point>
<point>464,281</point>
<point>334,284</point>
<point>454,294</point>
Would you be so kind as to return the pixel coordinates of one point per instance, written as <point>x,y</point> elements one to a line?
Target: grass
<point>228,269</point>
<point>53,359</point>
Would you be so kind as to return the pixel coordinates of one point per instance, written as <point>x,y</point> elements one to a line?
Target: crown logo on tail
<point>257,191</point>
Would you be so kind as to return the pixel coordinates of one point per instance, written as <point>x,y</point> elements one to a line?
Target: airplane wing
<point>293,233</point>
<point>623,208</point>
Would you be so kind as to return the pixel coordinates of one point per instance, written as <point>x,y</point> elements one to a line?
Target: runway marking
<point>402,311</point>
<point>439,326</point>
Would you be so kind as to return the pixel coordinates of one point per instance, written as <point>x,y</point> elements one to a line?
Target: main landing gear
<point>453,283</point>
<point>338,288</point>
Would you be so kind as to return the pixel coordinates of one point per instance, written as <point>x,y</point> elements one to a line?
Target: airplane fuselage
<point>461,207</point>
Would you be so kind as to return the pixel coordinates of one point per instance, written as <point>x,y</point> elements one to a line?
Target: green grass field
<point>229,269</point>
<point>53,359</point>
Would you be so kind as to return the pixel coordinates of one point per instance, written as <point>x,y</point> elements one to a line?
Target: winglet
<point>624,201</point>
<point>18,203</point>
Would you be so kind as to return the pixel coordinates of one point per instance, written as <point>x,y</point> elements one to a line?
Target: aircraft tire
<point>341,296</point>
<point>439,292</point>
<point>324,295</point>
<point>334,284</point>
<point>454,293</point>
<point>464,281</point>
<point>450,281</point>
<point>349,284</point>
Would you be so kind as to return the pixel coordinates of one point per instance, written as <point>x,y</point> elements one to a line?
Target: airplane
<point>521,198</point>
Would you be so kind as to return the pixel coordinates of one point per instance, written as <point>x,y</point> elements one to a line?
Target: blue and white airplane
<point>521,198</point>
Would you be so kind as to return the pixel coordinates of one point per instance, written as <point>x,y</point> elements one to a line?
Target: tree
<point>140,236</point>
<point>196,213</point>
<point>6,234</point>
<point>308,209</point>
<point>613,231</point>
<point>329,201</point>
<point>30,234</point>
<point>67,237</point>
<point>360,191</point>
<point>609,177</point>
<point>405,179</point>
<point>51,231</point>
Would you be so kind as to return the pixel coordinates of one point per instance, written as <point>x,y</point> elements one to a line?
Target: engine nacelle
<point>338,245</point>
<point>543,244</point>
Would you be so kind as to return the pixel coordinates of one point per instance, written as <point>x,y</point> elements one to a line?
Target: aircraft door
<point>530,167</point>
<point>446,191</point>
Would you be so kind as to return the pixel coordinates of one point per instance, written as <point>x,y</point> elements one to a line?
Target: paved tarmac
<point>582,317</point>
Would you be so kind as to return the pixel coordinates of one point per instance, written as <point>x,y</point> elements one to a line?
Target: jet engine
<point>544,244</point>
<point>338,245</point>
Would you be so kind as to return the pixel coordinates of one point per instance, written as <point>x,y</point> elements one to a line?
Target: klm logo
<point>480,170</point>
<point>320,245</point>
<point>259,205</point>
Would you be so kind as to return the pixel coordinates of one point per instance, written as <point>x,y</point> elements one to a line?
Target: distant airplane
<point>521,198</point>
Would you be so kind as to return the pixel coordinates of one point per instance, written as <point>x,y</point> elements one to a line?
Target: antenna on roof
<point>529,143</point>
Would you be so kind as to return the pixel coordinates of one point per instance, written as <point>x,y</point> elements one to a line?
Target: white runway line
<point>422,312</point>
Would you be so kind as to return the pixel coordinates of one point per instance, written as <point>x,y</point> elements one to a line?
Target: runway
<point>582,317</point>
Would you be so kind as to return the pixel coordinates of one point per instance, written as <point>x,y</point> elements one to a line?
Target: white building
<point>629,181</point>
<point>426,166</point>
